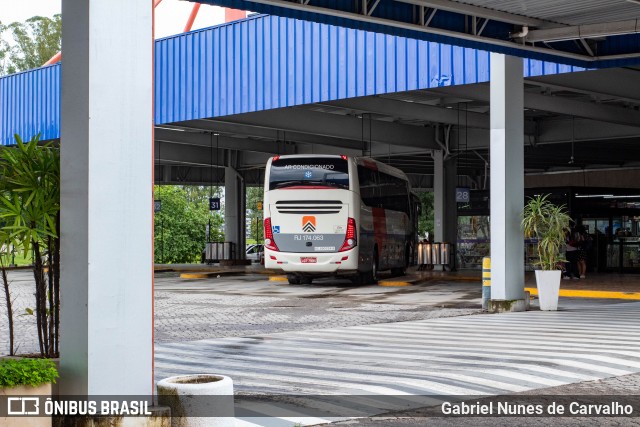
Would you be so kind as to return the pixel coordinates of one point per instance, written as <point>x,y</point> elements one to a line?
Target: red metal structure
<point>229,16</point>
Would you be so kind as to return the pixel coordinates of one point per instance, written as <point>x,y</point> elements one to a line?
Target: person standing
<point>572,257</point>
<point>584,242</point>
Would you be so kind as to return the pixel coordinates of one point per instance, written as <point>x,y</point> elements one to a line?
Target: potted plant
<point>26,377</point>
<point>548,223</point>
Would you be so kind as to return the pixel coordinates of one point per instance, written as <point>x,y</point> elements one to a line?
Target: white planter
<point>192,396</point>
<point>22,391</point>
<point>548,282</point>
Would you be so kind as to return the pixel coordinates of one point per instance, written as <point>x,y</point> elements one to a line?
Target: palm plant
<point>6,247</point>
<point>30,208</point>
<point>548,223</point>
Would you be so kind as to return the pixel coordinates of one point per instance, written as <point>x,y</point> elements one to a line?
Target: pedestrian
<point>571,252</point>
<point>584,242</point>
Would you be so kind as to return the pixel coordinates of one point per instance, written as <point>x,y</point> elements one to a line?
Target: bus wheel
<point>293,279</point>
<point>373,275</point>
<point>398,271</point>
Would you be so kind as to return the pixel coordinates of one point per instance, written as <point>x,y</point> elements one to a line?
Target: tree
<point>30,206</point>
<point>255,195</point>
<point>6,246</point>
<point>35,41</point>
<point>4,51</point>
<point>181,224</point>
<point>425,222</point>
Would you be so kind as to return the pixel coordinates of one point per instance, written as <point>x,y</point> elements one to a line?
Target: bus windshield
<point>306,172</point>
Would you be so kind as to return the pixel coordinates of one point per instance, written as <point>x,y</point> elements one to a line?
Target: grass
<point>21,260</point>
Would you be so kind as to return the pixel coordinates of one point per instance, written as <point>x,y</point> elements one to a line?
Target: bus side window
<point>368,186</point>
<point>394,193</point>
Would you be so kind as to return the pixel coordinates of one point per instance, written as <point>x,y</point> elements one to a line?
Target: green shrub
<point>33,372</point>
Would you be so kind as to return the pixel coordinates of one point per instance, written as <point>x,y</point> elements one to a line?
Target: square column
<point>106,341</point>
<point>234,210</point>
<point>445,209</point>
<point>507,183</point>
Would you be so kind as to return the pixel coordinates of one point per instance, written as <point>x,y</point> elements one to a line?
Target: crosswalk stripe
<point>471,355</point>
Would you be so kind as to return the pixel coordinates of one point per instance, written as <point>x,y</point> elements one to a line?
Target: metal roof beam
<point>480,12</point>
<point>337,126</point>
<point>417,111</point>
<point>201,139</point>
<point>600,83</point>
<point>586,31</point>
<point>213,125</point>
<point>555,104</point>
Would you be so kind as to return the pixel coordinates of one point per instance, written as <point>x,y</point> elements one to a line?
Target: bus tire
<point>373,274</point>
<point>401,271</point>
<point>293,279</point>
<point>398,271</point>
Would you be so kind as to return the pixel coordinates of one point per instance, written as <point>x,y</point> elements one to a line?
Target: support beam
<point>199,139</point>
<point>106,341</point>
<point>602,84</point>
<point>417,111</point>
<point>553,104</point>
<point>477,11</point>
<point>507,182</point>
<point>212,125</point>
<point>587,31</point>
<point>190,154</point>
<point>337,126</point>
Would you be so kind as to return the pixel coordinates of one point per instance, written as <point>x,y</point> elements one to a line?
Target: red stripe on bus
<point>379,226</point>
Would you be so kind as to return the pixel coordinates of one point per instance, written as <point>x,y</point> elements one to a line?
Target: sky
<point>171,15</point>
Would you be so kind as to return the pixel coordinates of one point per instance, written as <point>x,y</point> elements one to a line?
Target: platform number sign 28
<point>462,195</point>
<point>214,203</point>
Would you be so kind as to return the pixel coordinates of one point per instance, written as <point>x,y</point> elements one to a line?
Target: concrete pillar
<point>445,180</point>
<point>234,210</point>
<point>507,183</point>
<point>166,173</point>
<point>438,195</point>
<point>106,342</point>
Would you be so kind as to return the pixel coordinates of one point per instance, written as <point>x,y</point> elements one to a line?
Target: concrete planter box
<point>25,390</point>
<point>548,283</point>
<point>187,396</point>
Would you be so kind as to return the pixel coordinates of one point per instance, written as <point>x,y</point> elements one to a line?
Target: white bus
<point>330,215</point>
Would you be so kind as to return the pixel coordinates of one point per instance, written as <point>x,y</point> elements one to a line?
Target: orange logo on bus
<point>308,224</point>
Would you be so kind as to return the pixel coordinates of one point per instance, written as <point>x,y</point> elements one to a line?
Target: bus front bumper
<point>310,263</point>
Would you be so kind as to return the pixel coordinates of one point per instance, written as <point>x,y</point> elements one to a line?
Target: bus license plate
<point>308,260</point>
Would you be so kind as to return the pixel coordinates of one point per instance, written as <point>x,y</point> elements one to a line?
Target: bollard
<point>486,282</point>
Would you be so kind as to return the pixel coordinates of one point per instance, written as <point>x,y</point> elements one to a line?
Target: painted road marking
<point>469,355</point>
<point>582,293</point>
<point>392,283</point>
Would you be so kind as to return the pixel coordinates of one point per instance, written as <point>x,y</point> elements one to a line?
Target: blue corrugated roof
<point>260,63</point>
<point>393,15</point>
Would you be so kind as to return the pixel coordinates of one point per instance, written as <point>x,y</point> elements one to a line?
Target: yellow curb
<point>278,279</point>
<point>195,275</point>
<point>576,293</point>
<point>390,283</point>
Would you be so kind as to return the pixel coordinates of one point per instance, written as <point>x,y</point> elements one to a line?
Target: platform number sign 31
<point>214,203</point>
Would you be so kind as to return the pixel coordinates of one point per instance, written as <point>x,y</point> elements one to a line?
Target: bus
<point>333,215</point>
